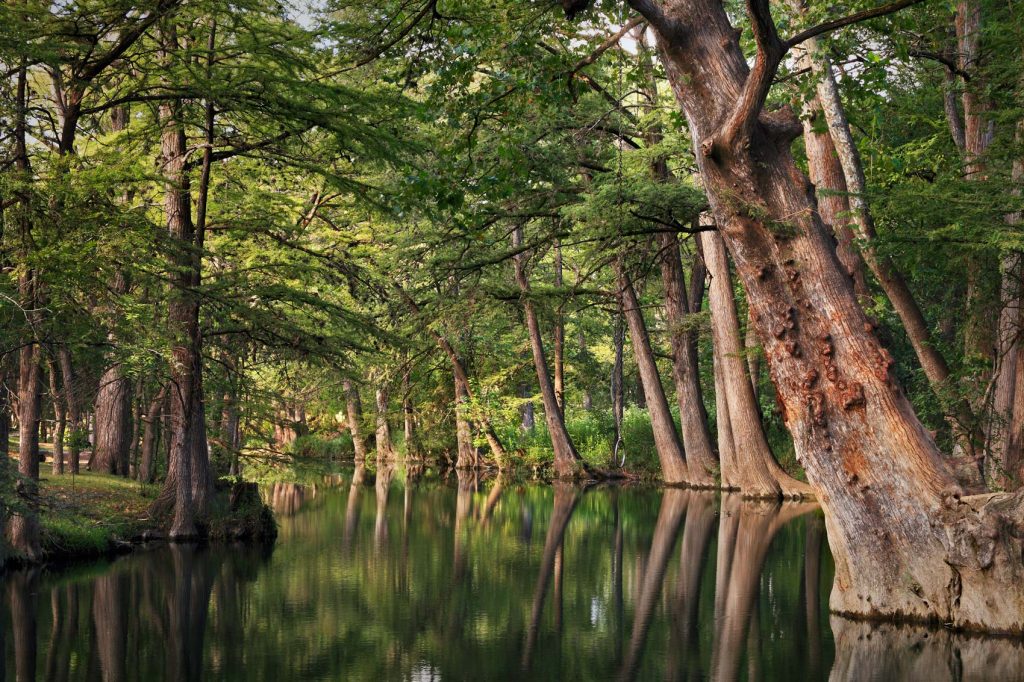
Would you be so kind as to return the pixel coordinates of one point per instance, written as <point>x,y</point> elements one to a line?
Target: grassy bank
<point>95,514</point>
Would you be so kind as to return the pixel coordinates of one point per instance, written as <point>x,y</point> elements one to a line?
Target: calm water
<point>477,579</point>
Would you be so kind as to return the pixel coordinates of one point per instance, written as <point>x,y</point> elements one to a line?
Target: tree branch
<point>854,18</point>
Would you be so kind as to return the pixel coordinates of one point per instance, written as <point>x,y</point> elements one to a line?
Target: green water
<point>471,579</point>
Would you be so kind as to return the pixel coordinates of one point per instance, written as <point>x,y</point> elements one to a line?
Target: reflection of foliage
<point>425,598</point>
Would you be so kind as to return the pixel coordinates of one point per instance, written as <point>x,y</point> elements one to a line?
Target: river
<point>406,577</point>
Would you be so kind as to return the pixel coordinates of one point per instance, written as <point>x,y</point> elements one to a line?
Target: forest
<point>772,248</point>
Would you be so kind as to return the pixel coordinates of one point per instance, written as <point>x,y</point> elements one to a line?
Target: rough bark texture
<point>674,469</point>
<point>693,418</point>
<point>25,525</point>
<point>967,466</point>
<point>903,543</point>
<point>826,174</point>
<point>568,463</point>
<point>113,422</point>
<point>1006,438</point>
<point>354,414</point>
<point>751,467</point>
<point>187,485</point>
<point>465,456</point>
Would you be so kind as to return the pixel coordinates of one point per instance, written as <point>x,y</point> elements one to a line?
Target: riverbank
<point>93,514</point>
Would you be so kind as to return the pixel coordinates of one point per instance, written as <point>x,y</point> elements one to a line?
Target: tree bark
<point>756,472</point>
<point>354,412</point>
<point>1003,468</point>
<point>674,469</point>
<point>151,436</point>
<point>71,399</point>
<point>187,486</point>
<point>559,336</point>
<point>465,449</point>
<point>826,173</point>
<point>933,363</point>
<point>568,463</point>
<point>526,415</point>
<point>59,416</point>
<point>899,536</point>
<point>385,450</point>
<point>113,422</point>
<point>692,415</point>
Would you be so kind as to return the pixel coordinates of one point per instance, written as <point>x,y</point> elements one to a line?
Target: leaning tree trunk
<point>559,336</point>
<point>693,418</point>
<point>904,542</point>
<point>568,463</point>
<point>968,464</point>
<point>674,469</point>
<point>462,383</point>
<point>756,472</point>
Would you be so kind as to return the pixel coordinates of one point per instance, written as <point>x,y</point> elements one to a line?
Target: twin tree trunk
<point>904,541</point>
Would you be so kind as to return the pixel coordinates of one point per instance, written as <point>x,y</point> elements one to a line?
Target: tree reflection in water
<point>449,582</point>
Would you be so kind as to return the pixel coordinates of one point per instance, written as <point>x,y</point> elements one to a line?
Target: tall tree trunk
<point>674,468</point>
<point>385,450</point>
<point>187,486</point>
<point>151,436</point>
<point>59,419</point>
<point>888,275</point>
<point>71,399</point>
<point>559,340</point>
<point>756,472</point>
<point>692,415</point>
<point>617,382</point>
<point>979,129</point>
<point>826,173</point>
<point>465,457</point>
<point>1003,468</point>
<point>113,422</point>
<point>354,412</point>
<point>24,530</point>
<point>884,486</point>
<point>568,463</point>
<point>409,418</point>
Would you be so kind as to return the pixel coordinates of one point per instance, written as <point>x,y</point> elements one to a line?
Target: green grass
<point>90,513</point>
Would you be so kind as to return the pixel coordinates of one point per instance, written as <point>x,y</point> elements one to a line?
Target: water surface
<point>397,577</point>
